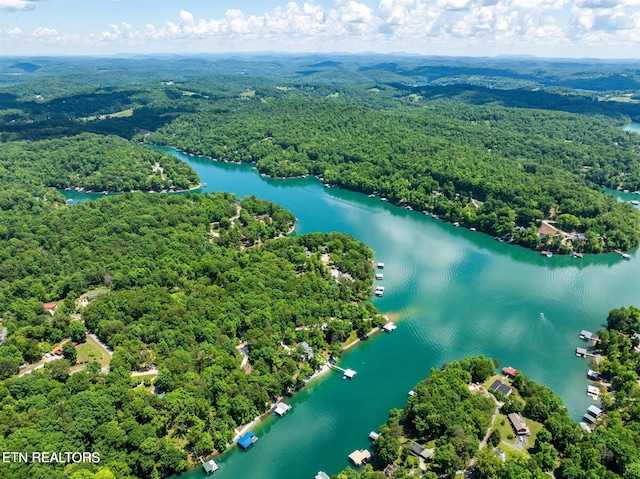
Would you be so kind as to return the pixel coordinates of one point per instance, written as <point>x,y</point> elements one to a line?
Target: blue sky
<point>552,28</point>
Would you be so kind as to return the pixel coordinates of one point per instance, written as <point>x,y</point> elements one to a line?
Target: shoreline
<point>239,431</point>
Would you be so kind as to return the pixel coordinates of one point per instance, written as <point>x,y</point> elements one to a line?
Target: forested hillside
<point>490,168</point>
<point>93,162</point>
<point>188,278</point>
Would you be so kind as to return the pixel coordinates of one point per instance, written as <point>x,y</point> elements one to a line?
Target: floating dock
<point>282,409</point>
<point>586,335</point>
<point>379,291</point>
<point>248,440</point>
<point>322,475</point>
<point>380,265</point>
<point>359,457</point>
<point>349,374</point>
<point>374,436</point>
<point>379,276</point>
<point>209,466</point>
<point>346,373</point>
<point>390,326</point>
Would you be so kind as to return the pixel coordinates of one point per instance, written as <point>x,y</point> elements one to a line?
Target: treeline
<point>488,168</point>
<point>185,287</point>
<point>93,162</point>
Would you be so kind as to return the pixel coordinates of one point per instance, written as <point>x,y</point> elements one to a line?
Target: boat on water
<point>546,253</point>
<point>634,202</point>
<point>372,195</point>
<point>625,256</point>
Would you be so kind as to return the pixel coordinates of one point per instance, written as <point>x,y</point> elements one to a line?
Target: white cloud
<point>15,31</point>
<point>18,4</point>
<point>43,32</point>
<point>384,25</point>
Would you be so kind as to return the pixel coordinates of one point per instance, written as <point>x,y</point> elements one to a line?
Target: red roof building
<point>49,307</point>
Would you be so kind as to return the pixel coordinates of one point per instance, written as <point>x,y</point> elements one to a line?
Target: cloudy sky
<point>553,28</point>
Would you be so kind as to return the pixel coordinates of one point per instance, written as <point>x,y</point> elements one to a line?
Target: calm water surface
<point>635,127</point>
<point>456,293</point>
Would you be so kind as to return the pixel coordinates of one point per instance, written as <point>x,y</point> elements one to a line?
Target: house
<point>519,426</point>
<point>248,440</point>
<point>509,371</point>
<point>499,386</point>
<point>210,466</point>
<point>50,307</point>
<point>308,350</point>
<point>419,451</point>
<point>359,457</point>
<point>592,414</point>
<point>390,469</point>
<point>586,335</point>
<point>3,335</point>
<point>282,409</point>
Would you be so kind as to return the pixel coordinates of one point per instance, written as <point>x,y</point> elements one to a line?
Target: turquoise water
<point>456,293</point>
<point>635,127</point>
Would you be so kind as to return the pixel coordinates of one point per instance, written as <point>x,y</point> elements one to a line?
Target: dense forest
<point>501,171</point>
<point>176,318</point>
<point>188,278</point>
<point>447,415</point>
<point>92,162</point>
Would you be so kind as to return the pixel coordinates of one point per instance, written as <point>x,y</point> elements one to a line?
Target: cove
<point>634,127</point>
<point>455,292</point>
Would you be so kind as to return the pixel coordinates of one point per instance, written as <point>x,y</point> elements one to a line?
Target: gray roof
<point>594,411</point>
<point>498,385</point>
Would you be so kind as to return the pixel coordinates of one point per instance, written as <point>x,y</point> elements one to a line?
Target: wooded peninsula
<point>464,418</point>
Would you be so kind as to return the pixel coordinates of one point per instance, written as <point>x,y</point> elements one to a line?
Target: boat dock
<point>209,466</point>
<point>390,326</point>
<point>347,373</point>
<point>380,265</point>
<point>358,458</point>
<point>379,276</point>
<point>282,409</point>
<point>248,440</point>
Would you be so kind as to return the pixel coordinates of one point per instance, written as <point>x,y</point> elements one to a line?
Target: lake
<point>454,292</point>
<point>635,127</point>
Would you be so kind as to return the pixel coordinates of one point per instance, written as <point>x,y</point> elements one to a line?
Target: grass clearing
<point>353,337</point>
<point>90,351</point>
